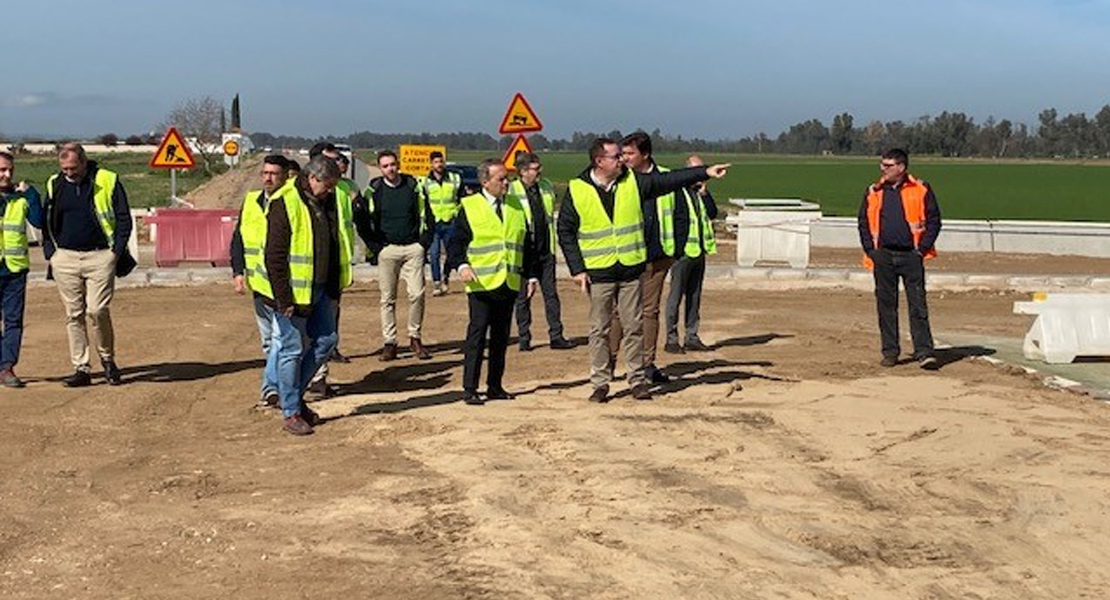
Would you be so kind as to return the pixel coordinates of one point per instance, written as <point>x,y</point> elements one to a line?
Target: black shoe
<point>889,361</point>
<point>525,346</point>
<point>112,374</point>
<point>929,363</point>
<point>697,345</point>
<point>472,398</point>
<point>310,416</point>
<point>673,348</point>
<point>321,390</point>
<point>562,344</point>
<point>499,394</point>
<point>658,376</point>
<point>78,379</point>
<point>269,400</point>
<point>641,392</point>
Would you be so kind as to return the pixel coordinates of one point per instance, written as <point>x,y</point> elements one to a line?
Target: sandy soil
<point>785,463</point>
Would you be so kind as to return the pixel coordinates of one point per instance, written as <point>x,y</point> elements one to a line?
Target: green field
<point>145,187</point>
<point>966,189</point>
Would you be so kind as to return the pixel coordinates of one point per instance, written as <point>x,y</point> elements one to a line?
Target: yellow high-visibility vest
<point>496,250</point>
<point>441,196</point>
<point>604,242</point>
<point>547,192</point>
<point>14,249</point>
<point>700,227</point>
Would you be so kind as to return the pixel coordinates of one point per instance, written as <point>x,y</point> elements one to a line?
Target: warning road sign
<point>173,153</point>
<point>520,144</point>
<point>520,118</point>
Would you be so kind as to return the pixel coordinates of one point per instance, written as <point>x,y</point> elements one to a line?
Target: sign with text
<point>415,158</point>
<point>520,144</point>
<point>172,153</point>
<point>520,118</point>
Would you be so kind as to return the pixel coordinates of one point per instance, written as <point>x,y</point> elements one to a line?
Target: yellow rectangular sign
<point>414,158</point>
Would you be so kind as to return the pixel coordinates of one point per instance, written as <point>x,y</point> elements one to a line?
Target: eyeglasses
<point>612,156</point>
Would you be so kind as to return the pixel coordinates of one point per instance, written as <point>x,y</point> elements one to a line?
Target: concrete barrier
<point>1067,326</point>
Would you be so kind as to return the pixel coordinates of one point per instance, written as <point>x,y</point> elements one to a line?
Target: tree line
<point>949,134</point>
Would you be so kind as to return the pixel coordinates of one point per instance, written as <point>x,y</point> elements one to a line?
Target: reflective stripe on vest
<point>441,196</point>
<point>701,228</point>
<point>103,186</point>
<point>664,214</point>
<point>253,229</point>
<point>13,251</point>
<point>496,250</point>
<point>603,241</point>
<point>547,193</point>
<point>912,192</point>
<point>301,263</point>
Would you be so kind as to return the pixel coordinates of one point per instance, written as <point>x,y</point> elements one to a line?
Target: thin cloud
<point>50,100</point>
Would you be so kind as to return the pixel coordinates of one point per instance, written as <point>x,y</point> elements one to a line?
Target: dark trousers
<point>890,266</point>
<point>13,296</point>
<point>551,306</point>
<point>491,314</point>
<point>687,276</point>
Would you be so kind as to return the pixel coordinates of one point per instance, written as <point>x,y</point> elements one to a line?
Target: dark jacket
<point>651,220</point>
<point>650,185</point>
<point>83,189</point>
<point>894,231</point>
<point>402,223</point>
<point>682,231</point>
<point>460,240</point>
<point>325,247</point>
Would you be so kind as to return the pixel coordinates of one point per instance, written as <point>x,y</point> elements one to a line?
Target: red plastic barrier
<point>193,235</point>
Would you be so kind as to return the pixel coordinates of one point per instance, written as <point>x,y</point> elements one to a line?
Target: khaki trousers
<point>655,274</point>
<point>625,297</point>
<point>396,263</point>
<point>86,282</point>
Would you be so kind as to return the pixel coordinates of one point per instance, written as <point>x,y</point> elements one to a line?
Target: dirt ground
<point>785,463</point>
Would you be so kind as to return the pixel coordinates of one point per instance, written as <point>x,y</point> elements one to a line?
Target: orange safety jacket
<point>913,192</point>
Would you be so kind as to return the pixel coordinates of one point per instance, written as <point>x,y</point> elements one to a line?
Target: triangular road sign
<point>520,144</point>
<point>520,118</point>
<point>173,153</point>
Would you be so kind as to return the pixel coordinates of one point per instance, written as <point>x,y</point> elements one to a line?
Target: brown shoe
<point>641,392</point>
<point>296,425</point>
<point>600,394</point>
<point>419,350</point>
<point>389,352</point>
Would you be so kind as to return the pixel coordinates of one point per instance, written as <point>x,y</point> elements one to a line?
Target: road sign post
<point>173,154</point>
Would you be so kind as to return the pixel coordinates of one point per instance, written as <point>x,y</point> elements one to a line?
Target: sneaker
<point>641,392</point>
<point>657,375</point>
<point>929,363</point>
<point>600,394</point>
<point>8,378</point>
<point>389,352</point>
<point>697,345</point>
<point>111,373</point>
<point>269,400</point>
<point>674,348</point>
<point>78,379</point>
<point>889,361</point>
<point>562,344</point>
<point>438,290</point>
<point>296,425</point>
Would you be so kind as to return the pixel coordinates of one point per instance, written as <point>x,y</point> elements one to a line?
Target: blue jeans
<point>443,232</point>
<point>265,317</point>
<point>13,296</point>
<point>302,345</point>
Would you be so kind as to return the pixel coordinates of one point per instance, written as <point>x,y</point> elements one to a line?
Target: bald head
<point>694,161</point>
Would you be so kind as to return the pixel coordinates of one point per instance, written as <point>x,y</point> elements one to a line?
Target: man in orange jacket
<point>899,221</point>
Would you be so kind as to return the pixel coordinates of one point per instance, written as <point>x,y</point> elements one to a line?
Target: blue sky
<point>713,68</point>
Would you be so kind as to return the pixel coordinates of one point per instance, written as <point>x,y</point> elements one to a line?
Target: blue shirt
<point>34,213</point>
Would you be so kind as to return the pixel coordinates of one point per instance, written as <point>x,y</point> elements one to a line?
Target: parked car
<point>469,174</point>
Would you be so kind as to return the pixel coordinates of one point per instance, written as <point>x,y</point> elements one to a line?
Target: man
<point>398,232</point>
<point>441,191</point>
<point>694,240</point>
<point>537,197</point>
<point>308,264</point>
<point>88,225</point>
<point>248,267</point>
<point>601,232</point>
<point>19,205</point>
<point>660,221</point>
<point>899,221</point>
<point>491,249</point>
